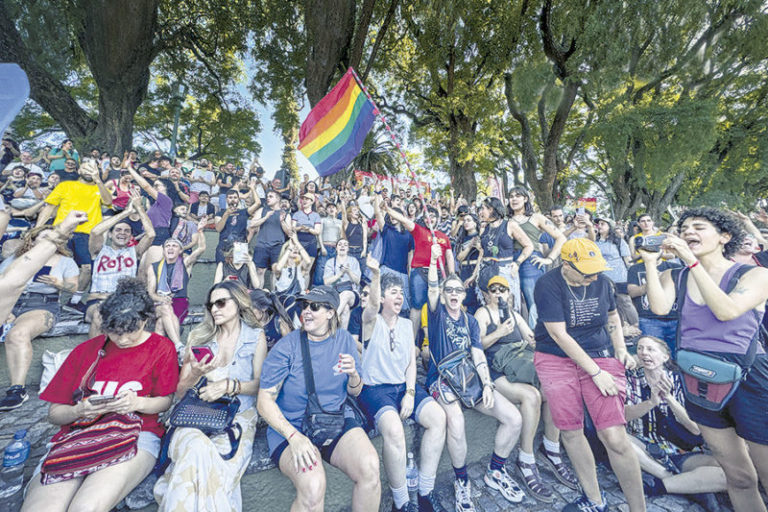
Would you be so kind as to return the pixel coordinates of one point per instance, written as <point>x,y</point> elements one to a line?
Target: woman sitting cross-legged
<point>297,448</point>
<point>231,349</point>
<point>127,370</point>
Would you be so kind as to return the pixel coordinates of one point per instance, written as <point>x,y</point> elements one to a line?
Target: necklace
<point>583,297</point>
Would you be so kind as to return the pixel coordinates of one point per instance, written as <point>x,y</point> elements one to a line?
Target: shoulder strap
<point>83,389</point>
<point>309,377</point>
<point>680,278</point>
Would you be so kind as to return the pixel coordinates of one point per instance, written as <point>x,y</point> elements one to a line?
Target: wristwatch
<point>411,392</point>
<point>491,385</point>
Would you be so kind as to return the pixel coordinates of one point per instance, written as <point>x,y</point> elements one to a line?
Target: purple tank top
<point>701,330</point>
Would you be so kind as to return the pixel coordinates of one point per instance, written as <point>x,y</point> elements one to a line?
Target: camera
<point>650,243</point>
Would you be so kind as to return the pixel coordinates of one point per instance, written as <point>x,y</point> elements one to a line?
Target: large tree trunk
<point>117,38</point>
<point>330,25</point>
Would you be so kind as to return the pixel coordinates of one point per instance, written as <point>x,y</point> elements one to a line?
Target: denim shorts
<point>78,244</point>
<point>376,400</point>
<point>325,451</point>
<point>419,288</point>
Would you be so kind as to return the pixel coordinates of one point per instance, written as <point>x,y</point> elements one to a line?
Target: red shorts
<point>568,388</point>
<point>181,308</point>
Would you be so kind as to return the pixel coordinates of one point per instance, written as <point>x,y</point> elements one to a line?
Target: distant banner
<point>588,203</point>
<point>368,178</point>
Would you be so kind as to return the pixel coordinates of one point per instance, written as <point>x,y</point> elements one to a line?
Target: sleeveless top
<point>354,234</point>
<point>271,232</point>
<point>110,265</point>
<point>497,242</point>
<point>701,330</point>
<point>121,197</point>
<point>531,231</point>
<point>515,337</point>
<point>180,294</point>
<point>232,273</point>
<point>386,354</point>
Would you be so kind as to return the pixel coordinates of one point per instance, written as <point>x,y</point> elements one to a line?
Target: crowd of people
<point>326,300</point>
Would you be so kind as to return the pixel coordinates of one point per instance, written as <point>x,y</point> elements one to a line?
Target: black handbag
<point>211,418</point>
<point>458,371</point>
<point>320,426</point>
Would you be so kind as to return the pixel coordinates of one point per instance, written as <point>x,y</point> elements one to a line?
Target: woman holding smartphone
<point>135,373</point>
<point>236,349</point>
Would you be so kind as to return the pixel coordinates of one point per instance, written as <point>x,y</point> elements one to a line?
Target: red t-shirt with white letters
<point>150,369</point>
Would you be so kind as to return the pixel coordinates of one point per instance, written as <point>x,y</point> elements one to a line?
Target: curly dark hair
<point>723,222</point>
<point>390,280</point>
<point>127,308</point>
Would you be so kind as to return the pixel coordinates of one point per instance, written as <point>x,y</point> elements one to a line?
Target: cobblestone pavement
<point>262,478</point>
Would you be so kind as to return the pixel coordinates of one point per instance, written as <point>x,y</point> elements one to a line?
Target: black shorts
<point>746,410</point>
<point>38,302</point>
<point>161,235</point>
<point>264,256</point>
<point>78,244</point>
<point>325,451</point>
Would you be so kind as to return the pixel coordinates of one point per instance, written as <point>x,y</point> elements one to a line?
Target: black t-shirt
<point>584,309</point>
<point>236,228</point>
<point>636,276</point>
<point>174,194</point>
<point>226,179</point>
<point>154,171</point>
<point>67,175</point>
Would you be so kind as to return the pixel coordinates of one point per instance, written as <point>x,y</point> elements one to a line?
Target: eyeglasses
<point>314,306</point>
<point>498,289</point>
<point>219,303</point>
<point>458,290</point>
<point>586,276</point>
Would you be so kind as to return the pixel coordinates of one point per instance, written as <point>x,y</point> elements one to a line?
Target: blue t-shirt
<point>397,245</point>
<point>615,259</point>
<point>447,335</point>
<point>284,364</point>
<point>583,309</point>
<point>236,227</point>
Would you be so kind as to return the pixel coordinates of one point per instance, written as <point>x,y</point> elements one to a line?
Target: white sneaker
<point>463,493</point>
<point>500,480</point>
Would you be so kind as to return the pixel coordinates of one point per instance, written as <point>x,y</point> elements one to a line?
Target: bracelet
<point>359,381</point>
<point>693,264</point>
<point>599,370</point>
<point>290,436</point>
<point>433,284</point>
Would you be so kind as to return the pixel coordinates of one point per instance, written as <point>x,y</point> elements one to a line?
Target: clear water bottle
<point>12,473</point>
<point>412,478</point>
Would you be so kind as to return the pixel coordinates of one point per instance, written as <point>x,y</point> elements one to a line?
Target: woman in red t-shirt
<point>140,370</point>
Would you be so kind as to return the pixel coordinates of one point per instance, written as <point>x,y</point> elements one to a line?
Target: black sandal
<point>533,482</point>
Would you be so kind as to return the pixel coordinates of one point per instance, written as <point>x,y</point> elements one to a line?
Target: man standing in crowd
<point>397,248</point>
<point>664,326</point>
<point>202,179</point>
<point>203,207</point>
<point>232,223</point>
<point>87,194</point>
<point>25,161</point>
<point>274,227</point>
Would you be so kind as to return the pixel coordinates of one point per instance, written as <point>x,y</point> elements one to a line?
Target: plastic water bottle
<point>12,474</point>
<point>412,478</point>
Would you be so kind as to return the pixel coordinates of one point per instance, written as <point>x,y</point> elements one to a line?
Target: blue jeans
<point>320,263</point>
<point>527,284</point>
<point>663,329</point>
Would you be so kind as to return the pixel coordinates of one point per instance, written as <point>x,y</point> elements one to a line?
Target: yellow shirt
<point>74,195</point>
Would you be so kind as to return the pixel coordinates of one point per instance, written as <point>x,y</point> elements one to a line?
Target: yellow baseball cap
<point>585,255</point>
<point>498,280</point>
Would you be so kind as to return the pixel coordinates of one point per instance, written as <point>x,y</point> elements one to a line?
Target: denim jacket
<point>241,366</point>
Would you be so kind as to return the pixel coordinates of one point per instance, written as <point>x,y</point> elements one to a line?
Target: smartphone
<point>101,399</point>
<point>580,210</point>
<point>201,352</point>
<point>42,272</point>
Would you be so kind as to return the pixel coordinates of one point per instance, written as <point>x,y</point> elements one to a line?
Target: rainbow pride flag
<point>334,131</point>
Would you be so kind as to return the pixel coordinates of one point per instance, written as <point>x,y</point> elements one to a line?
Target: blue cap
<point>20,434</point>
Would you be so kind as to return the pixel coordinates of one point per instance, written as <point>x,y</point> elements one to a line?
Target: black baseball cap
<point>322,295</point>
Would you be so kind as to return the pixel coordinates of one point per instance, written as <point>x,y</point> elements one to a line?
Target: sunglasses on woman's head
<point>498,289</point>
<point>219,303</point>
<point>314,306</point>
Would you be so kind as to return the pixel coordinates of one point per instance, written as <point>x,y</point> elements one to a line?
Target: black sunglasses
<point>497,289</point>
<point>450,289</point>
<point>219,303</point>
<point>392,340</point>
<point>314,306</point>
<point>586,276</point>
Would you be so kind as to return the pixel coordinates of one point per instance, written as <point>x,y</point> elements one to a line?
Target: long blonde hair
<point>207,330</point>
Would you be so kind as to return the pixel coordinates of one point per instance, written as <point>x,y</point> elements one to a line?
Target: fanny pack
<point>710,381</point>
<point>211,418</point>
<point>458,371</point>
<point>320,426</point>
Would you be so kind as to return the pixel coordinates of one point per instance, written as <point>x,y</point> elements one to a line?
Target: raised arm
<point>191,259</point>
<point>402,219</point>
<point>371,311</point>
<point>433,287</point>
<point>143,183</point>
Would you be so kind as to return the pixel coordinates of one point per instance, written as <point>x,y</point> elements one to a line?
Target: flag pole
<point>391,133</point>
